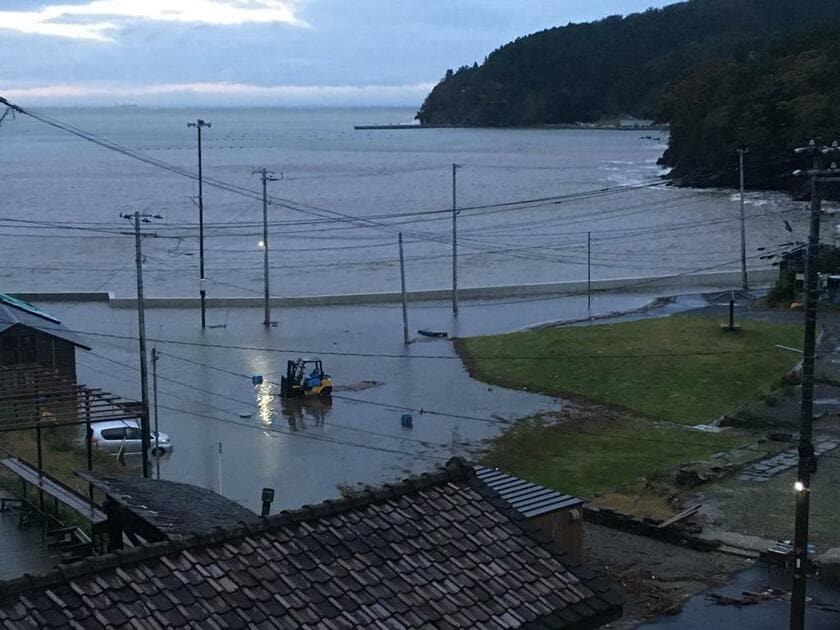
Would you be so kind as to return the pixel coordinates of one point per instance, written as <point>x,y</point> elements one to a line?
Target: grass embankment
<point>592,457</point>
<point>683,369</point>
<point>62,454</point>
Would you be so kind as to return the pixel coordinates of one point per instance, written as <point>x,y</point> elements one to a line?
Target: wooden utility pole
<point>155,357</point>
<point>455,168</point>
<point>141,322</point>
<point>402,284</point>
<point>745,285</point>
<point>202,289</point>
<point>589,274</point>
<point>266,176</point>
<point>807,458</point>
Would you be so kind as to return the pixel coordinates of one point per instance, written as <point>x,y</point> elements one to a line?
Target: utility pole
<point>589,274</point>
<point>807,459</point>
<point>198,124</point>
<point>266,176</point>
<point>455,168</point>
<point>745,285</point>
<point>141,321</point>
<point>155,357</point>
<point>402,284</point>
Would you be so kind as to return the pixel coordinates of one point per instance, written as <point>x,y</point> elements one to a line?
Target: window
<point>113,434</point>
<point>28,352</point>
<point>132,433</point>
<point>9,354</point>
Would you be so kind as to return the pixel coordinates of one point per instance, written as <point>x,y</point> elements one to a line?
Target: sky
<point>260,52</point>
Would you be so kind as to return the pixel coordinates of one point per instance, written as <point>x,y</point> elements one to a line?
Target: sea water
<point>325,175</point>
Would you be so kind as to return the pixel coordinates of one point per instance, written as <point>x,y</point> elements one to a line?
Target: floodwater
<point>331,172</point>
<point>206,396</point>
<point>702,612</point>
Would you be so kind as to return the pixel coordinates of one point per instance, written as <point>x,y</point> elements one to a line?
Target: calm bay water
<point>329,170</point>
<point>324,165</point>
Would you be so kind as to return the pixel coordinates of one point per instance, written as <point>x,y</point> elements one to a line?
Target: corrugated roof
<point>15,312</point>
<point>26,306</point>
<point>527,498</point>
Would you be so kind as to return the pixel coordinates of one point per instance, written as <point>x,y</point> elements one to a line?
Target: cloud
<point>98,19</point>
<point>224,93</point>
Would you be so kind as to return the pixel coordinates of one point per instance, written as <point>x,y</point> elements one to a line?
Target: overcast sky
<point>254,52</point>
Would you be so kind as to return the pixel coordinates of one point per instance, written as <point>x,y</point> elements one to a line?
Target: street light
<point>198,124</point>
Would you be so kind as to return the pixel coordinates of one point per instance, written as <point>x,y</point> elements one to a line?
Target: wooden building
<point>30,336</point>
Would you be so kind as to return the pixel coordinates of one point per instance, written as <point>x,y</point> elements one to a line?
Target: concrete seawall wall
<point>696,281</point>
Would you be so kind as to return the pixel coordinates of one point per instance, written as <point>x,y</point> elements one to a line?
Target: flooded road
<point>702,612</point>
<point>306,451</point>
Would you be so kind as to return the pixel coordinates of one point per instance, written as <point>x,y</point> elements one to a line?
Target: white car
<point>124,435</point>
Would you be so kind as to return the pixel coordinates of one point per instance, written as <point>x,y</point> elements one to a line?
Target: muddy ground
<point>656,576</point>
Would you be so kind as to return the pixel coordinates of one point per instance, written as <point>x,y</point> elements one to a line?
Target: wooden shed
<point>558,515</point>
<point>30,336</point>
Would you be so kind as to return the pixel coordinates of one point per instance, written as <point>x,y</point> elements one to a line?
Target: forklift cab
<point>305,378</point>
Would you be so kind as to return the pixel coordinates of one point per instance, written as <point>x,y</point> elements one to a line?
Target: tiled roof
<point>530,499</point>
<point>437,551</point>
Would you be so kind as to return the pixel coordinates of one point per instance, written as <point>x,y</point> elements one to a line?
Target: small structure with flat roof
<point>558,515</point>
<point>156,510</point>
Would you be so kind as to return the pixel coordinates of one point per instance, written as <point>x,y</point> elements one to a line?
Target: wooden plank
<point>680,516</point>
<point>55,489</point>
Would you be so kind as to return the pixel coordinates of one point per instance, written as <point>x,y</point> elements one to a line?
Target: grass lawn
<point>592,457</point>
<point>627,364</point>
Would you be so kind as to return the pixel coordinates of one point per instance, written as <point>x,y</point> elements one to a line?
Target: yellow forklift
<point>303,381</point>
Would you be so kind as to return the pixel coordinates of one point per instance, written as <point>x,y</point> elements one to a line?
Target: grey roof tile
<point>442,550</point>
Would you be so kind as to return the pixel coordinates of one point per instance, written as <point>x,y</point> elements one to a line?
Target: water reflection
<point>265,401</point>
<point>301,413</point>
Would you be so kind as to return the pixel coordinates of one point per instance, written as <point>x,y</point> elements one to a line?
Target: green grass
<point>592,457</point>
<point>627,364</point>
<point>62,455</point>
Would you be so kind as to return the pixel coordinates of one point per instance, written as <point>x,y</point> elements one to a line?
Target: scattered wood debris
<point>749,598</point>
<point>645,589</point>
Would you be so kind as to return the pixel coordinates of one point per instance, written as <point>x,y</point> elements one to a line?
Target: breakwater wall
<point>718,280</point>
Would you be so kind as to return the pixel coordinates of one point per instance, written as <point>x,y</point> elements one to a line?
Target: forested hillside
<point>616,66</point>
<point>770,102</point>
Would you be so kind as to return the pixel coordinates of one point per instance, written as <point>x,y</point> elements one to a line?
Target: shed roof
<point>169,507</point>
<point>442,550</point>
<point>530,499</point>
<point>14,312</point>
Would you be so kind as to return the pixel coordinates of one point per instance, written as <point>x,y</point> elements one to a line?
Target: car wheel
<point>159,451</point>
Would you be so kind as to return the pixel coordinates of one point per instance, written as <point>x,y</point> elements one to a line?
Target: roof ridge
<point>456,469</point>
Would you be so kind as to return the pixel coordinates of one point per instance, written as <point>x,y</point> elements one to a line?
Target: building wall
<point>566,529</point>
<point>49,351</point>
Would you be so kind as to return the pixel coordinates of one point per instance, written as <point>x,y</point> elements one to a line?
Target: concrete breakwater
<point>707,280</point>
